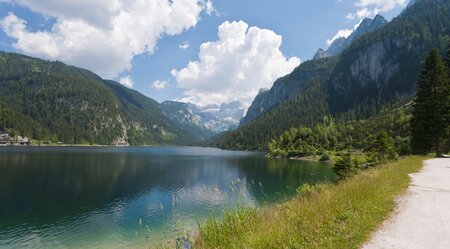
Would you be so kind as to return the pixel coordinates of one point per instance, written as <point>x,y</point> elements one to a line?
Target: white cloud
<point>101,35</point>
<point>127,81</point>
<point>159,85</point>
<point>235,67</point>
<point>209,8</point>
<point>341,33</point>
<point>184,45</point>
<point>370,8</point>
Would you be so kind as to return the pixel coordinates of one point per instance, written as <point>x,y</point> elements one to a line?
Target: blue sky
<point>149,45</point>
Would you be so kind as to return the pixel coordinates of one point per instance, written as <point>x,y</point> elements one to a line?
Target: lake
<point>108,197</point>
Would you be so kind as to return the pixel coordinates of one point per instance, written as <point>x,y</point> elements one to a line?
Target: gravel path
<point>422,218</point>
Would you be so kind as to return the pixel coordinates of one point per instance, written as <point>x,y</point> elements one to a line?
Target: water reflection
<point>116,197</point>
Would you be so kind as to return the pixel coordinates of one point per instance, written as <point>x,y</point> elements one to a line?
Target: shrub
<point>345,167</point>
<point>325,157</point>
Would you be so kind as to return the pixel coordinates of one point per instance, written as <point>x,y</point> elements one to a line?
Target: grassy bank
<point>326,216</point>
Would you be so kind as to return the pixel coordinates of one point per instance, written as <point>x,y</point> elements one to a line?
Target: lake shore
<point>327,216</point>
<point>109,197</point>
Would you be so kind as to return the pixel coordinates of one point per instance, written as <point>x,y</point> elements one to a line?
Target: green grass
<point>340,215</point>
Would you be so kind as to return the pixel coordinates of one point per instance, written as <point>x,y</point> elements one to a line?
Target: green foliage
<point>446,144</point>
<point>345,166</point>
<point>332,216</point>
<point>287,88</point>
<point>383,147</point>
<point>399,48</point>
<point>231,227</point>
<point>429,124</point>
<point>307,109</point>
<point>350,90</point>
<point>51,102</point>
<point>325,157</point>
<point>391,129</point>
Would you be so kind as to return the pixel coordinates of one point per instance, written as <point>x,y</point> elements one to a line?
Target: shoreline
<point>307,158</point>
<point>332,215</point>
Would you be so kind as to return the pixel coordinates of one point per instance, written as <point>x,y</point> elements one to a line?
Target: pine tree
<point>383,146</point>
<point>447,97</point>
<point>428,123</point>
<point>345,166</point>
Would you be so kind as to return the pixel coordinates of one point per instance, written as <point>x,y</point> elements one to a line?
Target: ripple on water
<point>130,197</point>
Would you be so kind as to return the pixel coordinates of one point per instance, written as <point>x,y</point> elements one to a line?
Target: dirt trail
<point>422,218</point>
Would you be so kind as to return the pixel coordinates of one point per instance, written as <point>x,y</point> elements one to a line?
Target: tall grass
<point>328,216</point>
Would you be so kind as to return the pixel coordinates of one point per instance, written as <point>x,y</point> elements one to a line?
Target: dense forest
<point>380,70</point>
<point>331,136</point>
<point>418,127</point>
<point>375,77</point>
<point>51,102</point>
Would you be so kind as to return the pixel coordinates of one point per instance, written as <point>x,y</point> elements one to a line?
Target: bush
<point>325,157</point>
<point>345,167</point>
<point>305,189</point>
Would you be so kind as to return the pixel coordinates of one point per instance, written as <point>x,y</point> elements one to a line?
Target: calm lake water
<point>132,197</point>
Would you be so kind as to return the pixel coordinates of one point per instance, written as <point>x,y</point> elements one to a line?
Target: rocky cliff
<point>288,87</point>
<point>340,44</point>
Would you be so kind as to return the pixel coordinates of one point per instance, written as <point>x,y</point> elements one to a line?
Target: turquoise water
<point>132,197</point>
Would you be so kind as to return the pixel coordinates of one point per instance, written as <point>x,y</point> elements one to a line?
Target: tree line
<point>420,127</point>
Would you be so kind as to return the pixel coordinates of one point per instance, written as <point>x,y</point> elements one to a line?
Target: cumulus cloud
<point>159,85</point>
<point>101,35</point>
<point>370,8</point>
<point>242,61</point>
<point>127,81</point>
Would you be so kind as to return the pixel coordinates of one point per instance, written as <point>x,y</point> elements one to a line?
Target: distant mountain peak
<point>340,44</point>
<point>263,90</point>
<point>211,118</point>
<point>372,23</point>
<point>379,18</point>
<point>319,54</point>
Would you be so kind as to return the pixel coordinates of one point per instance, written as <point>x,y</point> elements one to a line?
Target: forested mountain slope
<point>53,102</point>
<point>387,63</point>
<point>288,87</point>
<point>377,70</point>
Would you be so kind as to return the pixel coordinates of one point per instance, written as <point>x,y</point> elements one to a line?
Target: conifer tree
<point>447,106</point>
<point>428,123</point>
<point>345,166</point>
<point>384,147</point>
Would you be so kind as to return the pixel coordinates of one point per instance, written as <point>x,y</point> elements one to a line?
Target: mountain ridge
<point>266,101</point>
<point>375,72</point>
<point>367,25</point>
<point>57,100</point>
<point>52,102</point>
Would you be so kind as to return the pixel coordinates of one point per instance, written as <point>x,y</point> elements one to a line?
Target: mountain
<point>285,89</point>
<point>378,70</point>
<point>411,2</point>
<point>340,44</point>
<point>52,102</point>
<point>226,117</point>
<point>183,115</point>
<point>204,121</point>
